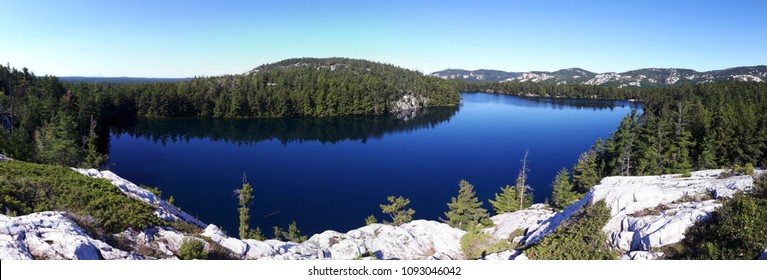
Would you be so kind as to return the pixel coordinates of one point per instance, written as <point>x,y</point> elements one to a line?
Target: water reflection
<point>288,129</point>
<point>552,103</point>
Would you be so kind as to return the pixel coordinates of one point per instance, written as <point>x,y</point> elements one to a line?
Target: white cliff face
<point>409,102</point>
<point>652,211</point>
<point>164,210</point>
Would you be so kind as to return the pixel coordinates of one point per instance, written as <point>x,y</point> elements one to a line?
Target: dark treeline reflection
<point>285,129</point>
<point>566,103</point>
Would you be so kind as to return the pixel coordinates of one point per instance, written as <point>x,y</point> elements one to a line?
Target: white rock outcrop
<point>526,220</point>
<point>50,235</point>
<point>646,213</point>
<point>652,211</point>
<point>409,102</point>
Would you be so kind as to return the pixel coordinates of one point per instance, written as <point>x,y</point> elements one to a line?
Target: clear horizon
<point>179,39</point>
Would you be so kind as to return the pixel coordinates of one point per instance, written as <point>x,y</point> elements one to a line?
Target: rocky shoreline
<point>648,212</point>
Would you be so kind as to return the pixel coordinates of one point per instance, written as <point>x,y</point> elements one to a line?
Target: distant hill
<point>120,80</point>
<point>648,77</point>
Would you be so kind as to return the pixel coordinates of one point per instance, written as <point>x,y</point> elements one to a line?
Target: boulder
<point>527,220</point>
<point>50,235</point>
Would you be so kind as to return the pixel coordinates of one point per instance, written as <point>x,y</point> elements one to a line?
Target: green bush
<point>477,244</point>
<point>474,244</point>
<point>371,220</point>
<point>737,230</point>
<point>578,238</point>
<point>192,249</point>
<point>748,169</point>
<point>28,187</point>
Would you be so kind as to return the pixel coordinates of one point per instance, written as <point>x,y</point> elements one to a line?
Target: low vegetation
<point>28,187</point>
<point>192,249</point>
<point>578,238</point>
<point>737,230</point>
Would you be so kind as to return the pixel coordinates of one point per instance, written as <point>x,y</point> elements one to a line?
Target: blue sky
<point>189,38</point>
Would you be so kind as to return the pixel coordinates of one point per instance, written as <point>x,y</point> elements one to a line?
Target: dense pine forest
<point>48,121</point>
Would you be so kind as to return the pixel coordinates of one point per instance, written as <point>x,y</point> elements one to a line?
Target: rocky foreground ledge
<point>647,213</point>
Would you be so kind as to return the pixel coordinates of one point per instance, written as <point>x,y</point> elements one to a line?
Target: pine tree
<point>585,173</point>
<point>245,195</point>
<point>93,159</point>
<point>521,185</point>
<point>624,145</point>
<point>563,194</point>
<point>294,234</point>
<point>508,200</point>
<point>396,210</point>
<point>55,141</point>
<point>678,154</point>
<point>466,210</point>
<point>371,220</point>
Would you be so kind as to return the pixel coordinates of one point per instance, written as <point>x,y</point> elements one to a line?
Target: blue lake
<point>332,172</point>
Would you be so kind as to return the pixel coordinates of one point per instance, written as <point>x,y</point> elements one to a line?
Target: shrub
<point>192,249</point>
<point>28,187</point>
<point>737,230</point>
<point>371,220</point>
<point>748,169</point>
<point>474,244</point>
<point>578,238</point>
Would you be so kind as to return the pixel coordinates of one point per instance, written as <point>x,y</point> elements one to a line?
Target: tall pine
<point>465,210</point>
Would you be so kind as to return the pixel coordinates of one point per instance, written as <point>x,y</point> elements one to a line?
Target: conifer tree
<point>396,210</point>
<point>585,173</point>
<point>563,194</point>
<point>93,159</point>
<point>465,210</point>
<point>294,234</point>
<point>508,200</point>
<point>245,195</point>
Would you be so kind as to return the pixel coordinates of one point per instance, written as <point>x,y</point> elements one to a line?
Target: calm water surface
<point>332,172</point>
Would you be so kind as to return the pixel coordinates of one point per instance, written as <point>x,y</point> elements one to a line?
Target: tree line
<point>47,121</point>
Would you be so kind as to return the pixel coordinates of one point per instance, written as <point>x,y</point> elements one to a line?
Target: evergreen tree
<point>371,220</point>
<point>521,185</point>
<point>294,234</point>
<point>93,159</point>
<point>466,210</point>
<point>508,200</point>
<point>585,174</point>
<point>396,210</point>
<point>678,154</point>
<point>623,140</point>
<point>55,141</point>
<point>245,195</point>
<point>513,198</point>
<point>563,193</point>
